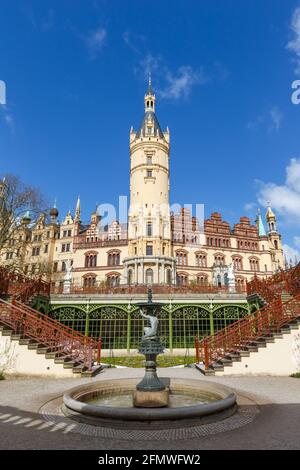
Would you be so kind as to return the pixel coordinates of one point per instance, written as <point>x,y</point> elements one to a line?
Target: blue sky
<point>75,72</point>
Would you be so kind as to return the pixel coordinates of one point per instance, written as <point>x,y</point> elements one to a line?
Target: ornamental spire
<point>77,210</point>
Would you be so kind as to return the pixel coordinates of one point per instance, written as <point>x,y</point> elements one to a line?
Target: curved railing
<point>20,286</point>
<point>48,332</point>
<point>237,335</point>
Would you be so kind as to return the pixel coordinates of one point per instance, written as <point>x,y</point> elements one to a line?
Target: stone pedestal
<point>67,287</point>
<point>142,399</point>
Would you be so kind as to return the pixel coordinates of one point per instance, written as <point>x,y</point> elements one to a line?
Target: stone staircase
<point>59,346</point>
<point>226,364</point>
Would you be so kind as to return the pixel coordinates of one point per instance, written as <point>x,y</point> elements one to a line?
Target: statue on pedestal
<point>68,277</point>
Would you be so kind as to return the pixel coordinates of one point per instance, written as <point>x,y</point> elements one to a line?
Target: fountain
<point>159,402</point>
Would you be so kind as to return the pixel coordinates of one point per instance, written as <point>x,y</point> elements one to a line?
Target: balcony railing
<point>142,289</point>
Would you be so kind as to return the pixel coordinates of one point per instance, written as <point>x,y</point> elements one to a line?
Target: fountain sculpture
<point>153,401</point>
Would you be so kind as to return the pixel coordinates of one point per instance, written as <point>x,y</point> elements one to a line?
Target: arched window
<point>113,279</point>
<point>89,280</point>
<point>129,277</point>
<point>182,279</point>
<point>149,276</point>
<point>276,244</point>
<point>169,276</point>
<point>254,264</point>
<point>219,260</point>
<point>181,258</point>
<point>202,279</point>
<point>237,263</point>
<point>113,258</point>
<point>90,260</point>
<point>201,259</point>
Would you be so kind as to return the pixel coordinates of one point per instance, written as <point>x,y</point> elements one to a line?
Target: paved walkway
<point>276,427</point>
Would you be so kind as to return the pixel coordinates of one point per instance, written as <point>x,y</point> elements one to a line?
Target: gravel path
<point>276,427</point>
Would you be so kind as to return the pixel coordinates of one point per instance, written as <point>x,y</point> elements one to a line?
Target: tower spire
<point>149,84</point>
<point>77,210</point>
<point>149,99</point>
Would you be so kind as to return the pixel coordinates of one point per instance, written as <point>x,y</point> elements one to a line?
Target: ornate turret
<point>26,219</point>
<point>54,213</point>
<point>271,220</point>
<point>260,226</point>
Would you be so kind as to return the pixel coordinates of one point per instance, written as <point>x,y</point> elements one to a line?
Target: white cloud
<point>8,118</point>
<point>276,118</point>
<point>294,44</point>
<point>171,84</point>
<point>297,242</point>
<point>291,253</point>
<point>180,83</point>
<point>271,120</point>
<point>95,41</point>
<point>284,198</point>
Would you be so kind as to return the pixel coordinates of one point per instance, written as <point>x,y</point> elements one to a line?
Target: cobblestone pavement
<point>276,427</point>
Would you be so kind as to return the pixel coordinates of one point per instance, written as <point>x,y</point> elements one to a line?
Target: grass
<point>296,375</point>
<point>139,361</point>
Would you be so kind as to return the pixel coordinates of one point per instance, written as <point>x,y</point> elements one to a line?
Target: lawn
<point>139,361</point>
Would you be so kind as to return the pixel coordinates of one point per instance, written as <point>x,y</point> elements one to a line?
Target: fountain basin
<point>205,402</point>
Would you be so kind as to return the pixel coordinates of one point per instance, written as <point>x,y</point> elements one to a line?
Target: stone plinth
<point>142,399</point>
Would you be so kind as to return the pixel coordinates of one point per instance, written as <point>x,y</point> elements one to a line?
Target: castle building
<point>156,246</point>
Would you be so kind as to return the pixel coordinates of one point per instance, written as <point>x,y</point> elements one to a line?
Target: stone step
<point>91,373</point>
<point>69,364</point>
<point>24,341</point>
<point>43,350</point>
<point>15,337</point>
<point>6,332</point>
<point>32,346</point>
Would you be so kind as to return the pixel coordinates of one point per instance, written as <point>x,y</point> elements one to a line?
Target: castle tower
<point>149,232</point>
<point>274,238</point>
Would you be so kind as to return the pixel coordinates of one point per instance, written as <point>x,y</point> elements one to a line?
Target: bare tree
<point>16,200</point>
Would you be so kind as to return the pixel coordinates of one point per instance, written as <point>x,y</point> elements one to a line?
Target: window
<point>113,280</point>
<point>182,279</point>
<point>254,264</point>
<point>237,263</point>
<point>149,229</point>
<point>181,258</point>
<point>35,251</point>
<point>149,250</point>
<point>90,260</point>
<point>55,267</point>
<point>46,249</point>
<point>201,260</point>
<point>63,266</point>
<point>219,260</point>
<point>169,276</point>
<point>65,247</point>
<point>149,160</point>
<point>149,276</point>
<point>149,173</point>
<point>113,258</point>
<point>201,280</point>
<point>89,281</point>
<point>129,277</point>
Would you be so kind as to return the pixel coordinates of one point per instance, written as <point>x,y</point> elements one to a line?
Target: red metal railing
<point>20,286</point>
<point>142,289</point>
<point>236,336</point>
<point>282,282</point>
<point>50,333</point>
